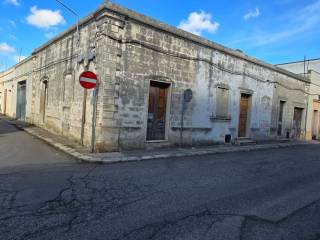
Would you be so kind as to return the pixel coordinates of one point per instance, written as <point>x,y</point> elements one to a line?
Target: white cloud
<point>252,14</point>
<point>44,18</point>
<point>12,23</point>
<point>5,48</point>
<point>18,59</point>
<point>296,25</point>
<point>13,2</point>
<point>198,22</point>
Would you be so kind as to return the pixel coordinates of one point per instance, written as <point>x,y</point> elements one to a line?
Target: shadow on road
<point>8,126</point>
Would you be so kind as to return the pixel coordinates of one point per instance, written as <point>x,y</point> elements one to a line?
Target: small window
<point>222,103</point>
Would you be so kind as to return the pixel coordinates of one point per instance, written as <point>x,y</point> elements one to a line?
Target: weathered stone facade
<point>293,93</point>
<point>313,118</point>
<point>130,52</point>
<point>311,70</point>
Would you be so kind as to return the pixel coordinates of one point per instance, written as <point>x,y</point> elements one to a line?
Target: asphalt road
<point>267,194</point>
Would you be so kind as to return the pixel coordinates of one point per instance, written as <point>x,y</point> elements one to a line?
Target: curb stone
<point>90,158</point>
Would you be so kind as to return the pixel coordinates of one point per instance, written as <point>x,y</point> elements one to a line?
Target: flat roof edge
<point>170,29</point>
<point>189,36</point>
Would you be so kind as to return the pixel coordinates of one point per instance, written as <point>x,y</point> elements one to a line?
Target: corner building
<point>144,68</point>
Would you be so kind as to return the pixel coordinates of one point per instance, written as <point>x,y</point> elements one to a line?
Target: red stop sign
<point>88,80</point>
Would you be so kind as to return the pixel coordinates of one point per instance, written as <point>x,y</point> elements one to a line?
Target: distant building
<point>311,70</point>
<point>302,67</point>
<point>145,67</point>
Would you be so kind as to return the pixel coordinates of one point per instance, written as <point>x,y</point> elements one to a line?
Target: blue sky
<point>275,31</point>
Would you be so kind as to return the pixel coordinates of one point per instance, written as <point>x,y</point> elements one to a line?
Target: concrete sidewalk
<point>83,154</point>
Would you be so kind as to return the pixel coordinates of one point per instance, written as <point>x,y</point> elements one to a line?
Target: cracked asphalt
<point>266,194</point>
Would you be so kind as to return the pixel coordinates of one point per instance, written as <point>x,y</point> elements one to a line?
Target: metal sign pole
<point>89,80</point>
<point>84,109</point>
<point>94,117</point>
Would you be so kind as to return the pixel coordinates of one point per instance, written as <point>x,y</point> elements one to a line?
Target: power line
<point>74,13</point>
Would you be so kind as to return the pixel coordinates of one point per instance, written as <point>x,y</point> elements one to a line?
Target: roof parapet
<point>109,6</point>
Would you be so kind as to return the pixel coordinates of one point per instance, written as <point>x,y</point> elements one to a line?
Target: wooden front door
<point>315,124</point>
<point>297,119</point>
<point>280,117</point>
<point>243,118</point>
<point>5,102</point>
<point>156,127</point>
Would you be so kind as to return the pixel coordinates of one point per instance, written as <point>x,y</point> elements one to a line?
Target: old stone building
<point>290,106</point>
<point>311,70</point>
<point>13,90</point>
<point>144,68</point>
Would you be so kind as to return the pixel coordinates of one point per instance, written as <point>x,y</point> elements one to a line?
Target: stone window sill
<point>156,141</point>
<point>220,118</point>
